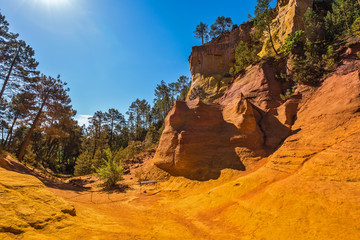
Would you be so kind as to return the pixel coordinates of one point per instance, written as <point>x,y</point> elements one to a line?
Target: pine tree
<point>49,92</point>
<point>115,121</point>
<point>111,172</point>
<point>343,15</point>
<point>19,65</point>
<point>263,19</point>
<point>202,32</point>
<point>20,107</point>
<point>221,25</point>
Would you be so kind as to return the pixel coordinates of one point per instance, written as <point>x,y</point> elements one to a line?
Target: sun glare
<point>54,2</point>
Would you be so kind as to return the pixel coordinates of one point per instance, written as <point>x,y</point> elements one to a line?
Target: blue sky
<point>111,52</point>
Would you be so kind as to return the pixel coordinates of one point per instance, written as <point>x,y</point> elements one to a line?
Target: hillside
<point>255,156</point>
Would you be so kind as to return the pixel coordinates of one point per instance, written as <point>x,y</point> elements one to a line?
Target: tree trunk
<point>9,73</point>
<point>10,131</point>
<point>271,40</point>
<point>111,133</point>
<point>28,136</point>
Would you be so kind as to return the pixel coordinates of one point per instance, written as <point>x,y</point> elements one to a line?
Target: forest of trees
<point>37,119</point>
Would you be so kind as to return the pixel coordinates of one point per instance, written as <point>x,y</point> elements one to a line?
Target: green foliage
<point>339,21</point>
<point>308,67</point>
<point>293,41</point>
<point>84,164</point>
<point>202,32</point>
<point>111,171</point>
<point>263,19</point>
<point>308,63</point>
<point>355,27</point>
<point>329,58</point>
<point>30,157</point>
<point>288,93</point>
<point>245,55</point>
<point>221,25</point>
<point>152,136</point>
<point>133,149</point>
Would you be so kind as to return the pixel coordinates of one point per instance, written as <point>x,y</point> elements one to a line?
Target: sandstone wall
<point>210,63</point>
<point>200,139</point>
<point>289,19</point>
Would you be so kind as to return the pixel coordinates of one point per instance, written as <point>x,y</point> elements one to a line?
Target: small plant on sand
<point>111,172</point>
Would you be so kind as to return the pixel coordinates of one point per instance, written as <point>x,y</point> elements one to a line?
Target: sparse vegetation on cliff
<point>264,20</point>
<point>202,32</point>
<point>245,55</point>
<point>220,26</point>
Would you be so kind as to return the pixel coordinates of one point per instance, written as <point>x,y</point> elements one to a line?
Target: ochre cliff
<point>210,63</point>
<point>307,188</point>
<point>289,19</point>
<point>247,123</point>
<point>200,139</point>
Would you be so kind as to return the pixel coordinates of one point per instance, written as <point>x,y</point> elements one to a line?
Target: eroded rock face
<point>327,117</point>
<point>258,84</point>
<point>210,63</point>
<point>289,19</point>
<point>200,139</point>
<point>247,123</point>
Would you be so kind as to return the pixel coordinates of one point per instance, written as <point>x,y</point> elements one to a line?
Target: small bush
<point>29,156</point>
<point>133,149</point>
<point>329,58</point>
<point>245,55</point>
<point>289,92</point>
<point>84,164</point>
<point>355,27</point>
<point>112,171</point>
<point>293,41</point>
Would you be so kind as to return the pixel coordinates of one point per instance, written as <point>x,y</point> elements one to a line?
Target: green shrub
<point>293,41</point>
<point>340,19</point>
<point>329,58</point>
<point>355,27</point>
<point>112,171</point>
<point>289,92</point>
<point>29,156</point>
<point>84,164</point>
<point>133,149</point>
<point>245,55</point>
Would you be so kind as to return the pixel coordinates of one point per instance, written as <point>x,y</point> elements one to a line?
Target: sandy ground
<point>128,213</point>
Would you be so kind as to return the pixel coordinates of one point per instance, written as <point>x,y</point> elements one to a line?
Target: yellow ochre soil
<point>309,188</point>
